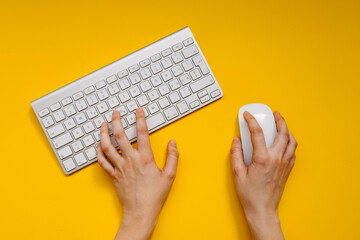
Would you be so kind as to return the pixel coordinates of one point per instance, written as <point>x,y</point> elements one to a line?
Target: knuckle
<point>257,130</point>
<point>118,134</point>
<point>171,175</point>
<point>142,129</point>
<point>105,147</point>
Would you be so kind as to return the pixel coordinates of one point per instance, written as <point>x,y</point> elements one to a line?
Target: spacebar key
<point>155,121</point>
<point>202,83</point>
<point>152,122</point>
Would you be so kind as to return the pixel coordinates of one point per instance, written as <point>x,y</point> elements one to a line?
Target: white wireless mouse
<point>264,116</point>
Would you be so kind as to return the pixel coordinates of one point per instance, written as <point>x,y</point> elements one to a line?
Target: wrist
<point>265,225</point>
<point>136,227</point>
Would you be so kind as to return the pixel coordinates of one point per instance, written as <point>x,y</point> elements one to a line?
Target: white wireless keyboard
<point>168,79</point>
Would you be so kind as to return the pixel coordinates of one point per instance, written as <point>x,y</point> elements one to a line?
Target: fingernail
<point>236,139</point>
<point>172,142</point>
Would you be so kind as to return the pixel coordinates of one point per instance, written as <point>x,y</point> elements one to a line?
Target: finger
<point>106,145</point>
<point>102,160</point>
<point>120,135</point>
<point>238,163</point>
<point>172,160</point>
<point>257,135</point>
<point>282,137</point>
<point>290,149</point>
<point>142,132</point>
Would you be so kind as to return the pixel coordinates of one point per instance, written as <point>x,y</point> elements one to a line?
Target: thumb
<point>172,159</point>
<point>238,163</point>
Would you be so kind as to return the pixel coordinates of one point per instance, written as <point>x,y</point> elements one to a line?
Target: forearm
<point>265,227</point>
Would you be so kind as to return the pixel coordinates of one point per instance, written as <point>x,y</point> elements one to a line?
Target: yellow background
<point>298,57</point>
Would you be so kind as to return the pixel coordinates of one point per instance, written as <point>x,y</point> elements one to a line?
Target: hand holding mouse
<point>261,184</point>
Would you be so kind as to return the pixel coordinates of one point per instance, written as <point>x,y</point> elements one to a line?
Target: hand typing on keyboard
<point>141,185</point>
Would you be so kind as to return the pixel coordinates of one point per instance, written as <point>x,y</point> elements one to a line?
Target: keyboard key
<point>145,62</point>
<point>166,63</point>
<point>195,74</point>
<point>174,97</point>
<point>184,79</point>
<point>131,105</point>
<point>92,99</point>
<point>59,116</point>
<point>183,107</point>
<point>187,65</point>
<point>69,164</point>
<point>155,57</point>
<point>100,84</point>
<point>44,112</point>
<point>69,110</point>
<point>142,100</point>
<point>190,51</point>
<point>80,118</point>
<point>194,104</point>
<point>135,78</point>
<point>174,84</point>
<point>88,140</point>
<point>97,135</point>
<point>78,95</point>
<point>77,146</point>
<point>69,124</point>
<point>124,96</point>
<point>215,93</point>
<point>62,140</point>
<point>188,42</point>
<point>177,70</point>
<point>48,121</point>
<point>145,86</point>
<point>202,83</point>
<point>177,47</point>
<point>156,68</point>
<point>55,107</point>
<point>56,130</point>
<point>156,81</point>
<point>113,89</point>
<point>102,107</point>
<point>124,83</point>
<point>185,92</point>
<point>164,89</point>
<point>164,102</point>
<point>90,153</point>
<point>102,94</point>
<point>199,62</point>
<point>113,102</point>
<point>153,108</point>
<point>166,52</point>
<point>80,159</point>
<point>134,68</point>
<point>123,73</point>
<point>66,101</point>
<point>131,118</point>
<point>89,90</point>
<point>177,57</point>
<point>64,152</point>
<point>77,132</point>
<point>155,121</point>
<point>122,110</point>
<point>80,105</point>
<point>205,99</point>
<point>145,73</point>
<point>166,76</point>
<point>171,113</point>
<point>88,127</point>
<point>91,113</point>
<point>134,91</point>
<point>153,94</point>
<point>202,93</point>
